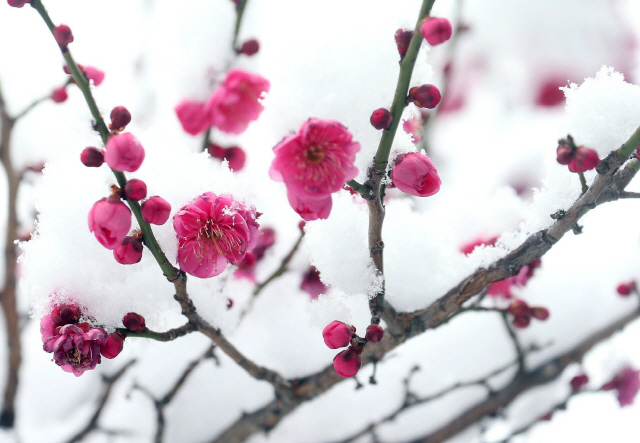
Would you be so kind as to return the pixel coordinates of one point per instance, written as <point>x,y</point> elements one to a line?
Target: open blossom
<point>193,116</point>
<point>237,101</point>
<point>110,221</point>
<point>627,383</point>
<point>212,231</point>
<point>76,347</point>
<point>314,163</point>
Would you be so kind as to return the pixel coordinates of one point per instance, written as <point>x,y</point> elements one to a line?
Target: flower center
<point>314,154</point>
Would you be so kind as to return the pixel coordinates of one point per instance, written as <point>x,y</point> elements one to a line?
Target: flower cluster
<point>522,313</point>
<point>230,107</point>
<point>627,383</point>
<point>76,346</point>
<point>313,164</point>
<point>337,335</point>
<point>213,231</point>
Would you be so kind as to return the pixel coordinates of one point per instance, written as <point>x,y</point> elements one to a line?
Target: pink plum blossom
<point>76,347</point>
<point>415,174</point>
<point>124,153</point>
<point>237,101</point>
<point>110,221</point>
<point>193,116</point>
<point>211,231</point>
<point>314,163</point>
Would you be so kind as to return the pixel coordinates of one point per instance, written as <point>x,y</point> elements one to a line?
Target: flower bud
<point>403,38</point>
<point>564,154</point>
<point>65,314</point>
<point>124,153</point>
<point>93,73</point>
<point>436,30</point>
<point>521,322</point>
<point>540,313</point>
<point>120,118</point>
<point>59,95</point>
<point>374,333</point>
<point>192,116</point>
<point>625,289</point>
<point>312,284</point>
<point>92,157</point>
<point>129,252</point>
<point>425,96</point>
<point>584,159</point>
<point>347,363</point>
<point>415,174</point>
<point>113,346</point>
<point>216,151</point>
<point>381,118</point>
<point>579,381</point>
<point>110,221</point>
<point>250,47</point>
<point>236,158</point>
<point>18,3</point>
<point>156,210</point>
<point>63,35</point>
<point>134,322</point>
<point>337,334</point>
<point>518,308</point>
<point>135,189</point>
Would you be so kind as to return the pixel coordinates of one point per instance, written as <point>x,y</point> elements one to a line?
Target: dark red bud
<point>425,96</point>
<point>381,118</point>
<point>120,118</point>
<point>65,314</point>
<point>403,38</point>
<point>135,189</point>
<point>540,313</point>
<point>250,47</point>
<point>92,157</point>
<point>374,333</point>
<point>134,322</point>
<point>521,322</point>
<point>63,35</point>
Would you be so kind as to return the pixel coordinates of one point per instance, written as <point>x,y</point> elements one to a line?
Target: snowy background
<point>494,148</point>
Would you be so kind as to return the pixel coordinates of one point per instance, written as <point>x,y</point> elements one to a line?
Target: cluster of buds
<point>337,335</point>
<point>522,313</point>
<point>109,218</point>
<point>577,158</point>
<point>234,155</point>
<point>626,289</point>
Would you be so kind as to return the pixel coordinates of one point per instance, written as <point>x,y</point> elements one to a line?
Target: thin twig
<point>108,382</point>
<point>516,343</point>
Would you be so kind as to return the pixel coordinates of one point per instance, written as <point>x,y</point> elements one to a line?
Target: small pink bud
<point>250,47</point>
<point>110,221</point>
<point>436,30</point>
<point>120,118</point>
<point>584,160</point>
<point>63,35</point>
<point>521,322</point>
<point>625,289</point>
<point>403,38</point>
<point>425,96</point>
<point>129,252</point>
<point>579,381</point>
<point>156,210</point>
<point>347,363</point>
<point>337,334</point>
<point>134,322</point>
<point>18,3</point>
<point>192,116</point>
<point>518,308</point>
<point>415,174</point>
<point>92,157</point>
<point>94,74</point>
<point>59,95</point>
<point>135,189</point>
<point>124,153</point>
<point>65,314</point>
<point>564,154</point>
<point>236,158</point>
<point>540,313</point>
<point>381,118</point>
<point>113,346</point>
<point>374,333</point>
